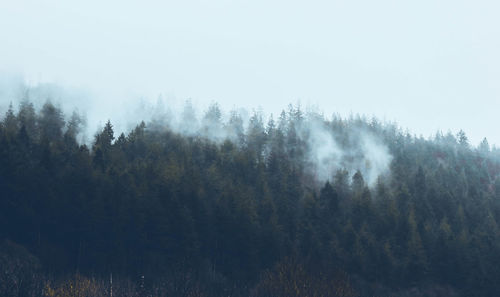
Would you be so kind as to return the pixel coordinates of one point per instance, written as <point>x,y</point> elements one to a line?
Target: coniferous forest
<point>296,205</point>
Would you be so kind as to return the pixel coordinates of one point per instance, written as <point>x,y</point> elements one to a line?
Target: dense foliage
<point>246,215</point>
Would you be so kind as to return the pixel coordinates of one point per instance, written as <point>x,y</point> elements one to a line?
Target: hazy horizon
<point>427,66</point>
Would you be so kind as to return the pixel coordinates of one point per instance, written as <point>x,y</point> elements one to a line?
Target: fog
<point>326,151</point>
<point>427,65</point>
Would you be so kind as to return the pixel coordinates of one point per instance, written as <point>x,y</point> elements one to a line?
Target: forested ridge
<point>235,209</point>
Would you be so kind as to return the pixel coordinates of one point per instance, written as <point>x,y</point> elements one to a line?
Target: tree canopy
<point>244,208</point>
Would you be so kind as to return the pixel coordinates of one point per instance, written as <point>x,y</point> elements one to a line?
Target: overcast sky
<point>427,64</point>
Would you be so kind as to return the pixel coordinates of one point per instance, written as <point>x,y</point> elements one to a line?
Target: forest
<point>299,205</point>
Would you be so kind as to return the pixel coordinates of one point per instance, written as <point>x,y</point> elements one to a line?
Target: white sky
<point>427,64</point>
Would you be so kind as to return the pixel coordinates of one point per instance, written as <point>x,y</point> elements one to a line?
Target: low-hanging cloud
<point>361,150</point>
<point>326,149</point>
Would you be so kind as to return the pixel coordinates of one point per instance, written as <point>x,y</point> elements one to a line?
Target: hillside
<point>296,206</point>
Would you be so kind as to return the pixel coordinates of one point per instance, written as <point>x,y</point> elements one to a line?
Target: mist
<point>428,66</point>
<point>325,154</point>
<point>249,148</point>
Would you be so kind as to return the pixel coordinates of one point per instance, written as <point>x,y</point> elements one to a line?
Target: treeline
<point>246,215</point>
